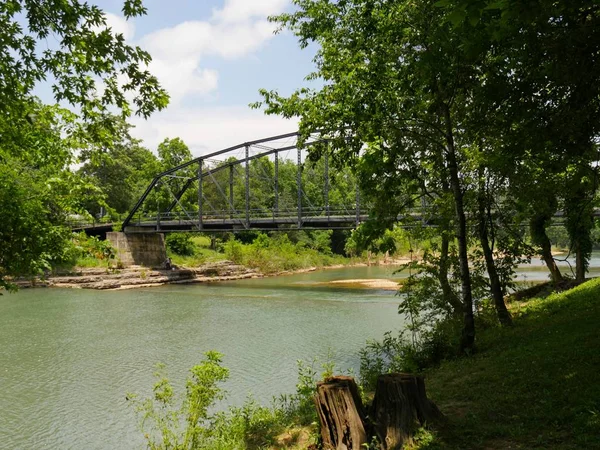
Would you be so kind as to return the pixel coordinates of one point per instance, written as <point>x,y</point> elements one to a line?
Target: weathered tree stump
<point>400,405</point>
<point>341,413</point>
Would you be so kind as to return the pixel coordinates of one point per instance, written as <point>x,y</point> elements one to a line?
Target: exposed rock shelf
<point>137,276</point>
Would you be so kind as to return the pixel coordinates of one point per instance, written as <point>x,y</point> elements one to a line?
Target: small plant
<point>190,424</point>
<point>171,422</point>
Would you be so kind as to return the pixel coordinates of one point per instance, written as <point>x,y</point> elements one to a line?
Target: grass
<point>535,386</point>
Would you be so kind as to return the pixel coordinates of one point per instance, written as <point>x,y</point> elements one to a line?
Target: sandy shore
<point>375,283</point>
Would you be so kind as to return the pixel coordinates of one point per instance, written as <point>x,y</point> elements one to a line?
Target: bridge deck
<point>239,224</point>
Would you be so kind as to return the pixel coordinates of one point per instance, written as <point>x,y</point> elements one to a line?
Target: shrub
<point>86,251</point>
<point>188,425</point>
<point>409,354</point>
<point>180,244</point>
<point>191,425</point>
<point>233,251</point>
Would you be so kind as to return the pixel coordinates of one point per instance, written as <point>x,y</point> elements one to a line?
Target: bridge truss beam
<point>218,206</point>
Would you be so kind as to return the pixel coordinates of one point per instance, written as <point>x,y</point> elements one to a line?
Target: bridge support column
<point>247,187</point>
<point>327,184</point>
<point>357,205</point>
<point>276,206</point>
<point>200,199</point>
<point>231,208</point>
<point>142,249</point>
<point>299,186</point>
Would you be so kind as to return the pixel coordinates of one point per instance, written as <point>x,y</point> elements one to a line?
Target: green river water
<point>68,357</point>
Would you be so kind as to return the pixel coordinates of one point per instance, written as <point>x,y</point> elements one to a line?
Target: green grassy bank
<point>267,254</point>
<point>535,386</point>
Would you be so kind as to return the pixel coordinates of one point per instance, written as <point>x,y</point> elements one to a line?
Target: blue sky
<point>213,56</point>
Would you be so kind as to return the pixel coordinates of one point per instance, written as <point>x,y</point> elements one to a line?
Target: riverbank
<point>134,277</point>
<point>141,277</point>
<point>533,386</point>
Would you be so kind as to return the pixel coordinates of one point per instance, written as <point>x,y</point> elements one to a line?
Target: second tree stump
<point>399,407</point>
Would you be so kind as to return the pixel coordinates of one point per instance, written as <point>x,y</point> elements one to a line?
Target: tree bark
<point>537,225</point>
<point>495,285</point>
<point>341,414</point>
<point>580,265</point>
<point>450,296</point>
<point>399,407</point>
<point>579,218</point>
<point>467,341</point>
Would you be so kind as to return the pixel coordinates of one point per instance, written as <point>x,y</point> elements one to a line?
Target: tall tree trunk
<point>448,293</point>
<point>579,225</point>
<point>580,266</point>
<point>537,225</point>
<point>467,340</point>
<point>579,217</point>
<point>495,284</point>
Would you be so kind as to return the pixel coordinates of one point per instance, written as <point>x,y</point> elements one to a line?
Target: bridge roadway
<point>215,225</point>
<point>321,222</point>
<point>254,223</point>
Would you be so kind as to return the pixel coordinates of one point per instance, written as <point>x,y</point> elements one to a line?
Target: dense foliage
<point>93,70</point>
<point>480,110</point>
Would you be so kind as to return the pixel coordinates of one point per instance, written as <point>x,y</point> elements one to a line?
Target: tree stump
<point>341,414</point>
<point>400,405</point>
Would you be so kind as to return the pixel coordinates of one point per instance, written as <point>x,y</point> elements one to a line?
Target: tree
<point>443,99</point>
<point>89,58</point>
<point>172,153</point>
<point>37,192</point>
<point>121,170</point>
<point>92,69</point>
<point>395,79</point>
<point>542,96</point>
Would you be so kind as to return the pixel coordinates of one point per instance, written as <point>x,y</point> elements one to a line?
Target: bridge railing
<point>81,223</point>
<point>191,218</point>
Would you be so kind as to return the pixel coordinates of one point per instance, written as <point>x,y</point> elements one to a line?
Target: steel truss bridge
<point>218,191</point>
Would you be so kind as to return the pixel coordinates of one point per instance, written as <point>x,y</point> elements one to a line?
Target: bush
<point>180,244</point>
<point>233,251</point>
<point>191,425</point>
<point>407,354</point>
<point>85,251</point>
<point>188,425</point>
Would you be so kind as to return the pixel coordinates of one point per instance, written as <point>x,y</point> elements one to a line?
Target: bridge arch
<point>221,204</point>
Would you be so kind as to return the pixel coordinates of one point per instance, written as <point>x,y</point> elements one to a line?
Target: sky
<point>213,56</point>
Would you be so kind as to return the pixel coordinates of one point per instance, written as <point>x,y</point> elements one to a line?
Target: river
<point>68,357</point>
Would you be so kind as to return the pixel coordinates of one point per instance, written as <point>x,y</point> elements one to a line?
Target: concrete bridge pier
<point>142,249</point>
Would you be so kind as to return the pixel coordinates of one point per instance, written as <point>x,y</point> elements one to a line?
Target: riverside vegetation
<point>484,114</point>
<point>530,386</point>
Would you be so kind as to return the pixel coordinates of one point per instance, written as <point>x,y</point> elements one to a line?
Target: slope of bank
<point>535,386</point>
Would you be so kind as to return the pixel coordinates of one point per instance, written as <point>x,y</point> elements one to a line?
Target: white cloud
<point>243,10</point>
<point>179,55</point>
<point>237,30</point>
<point>206,130</point>
<point>119,25</point>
